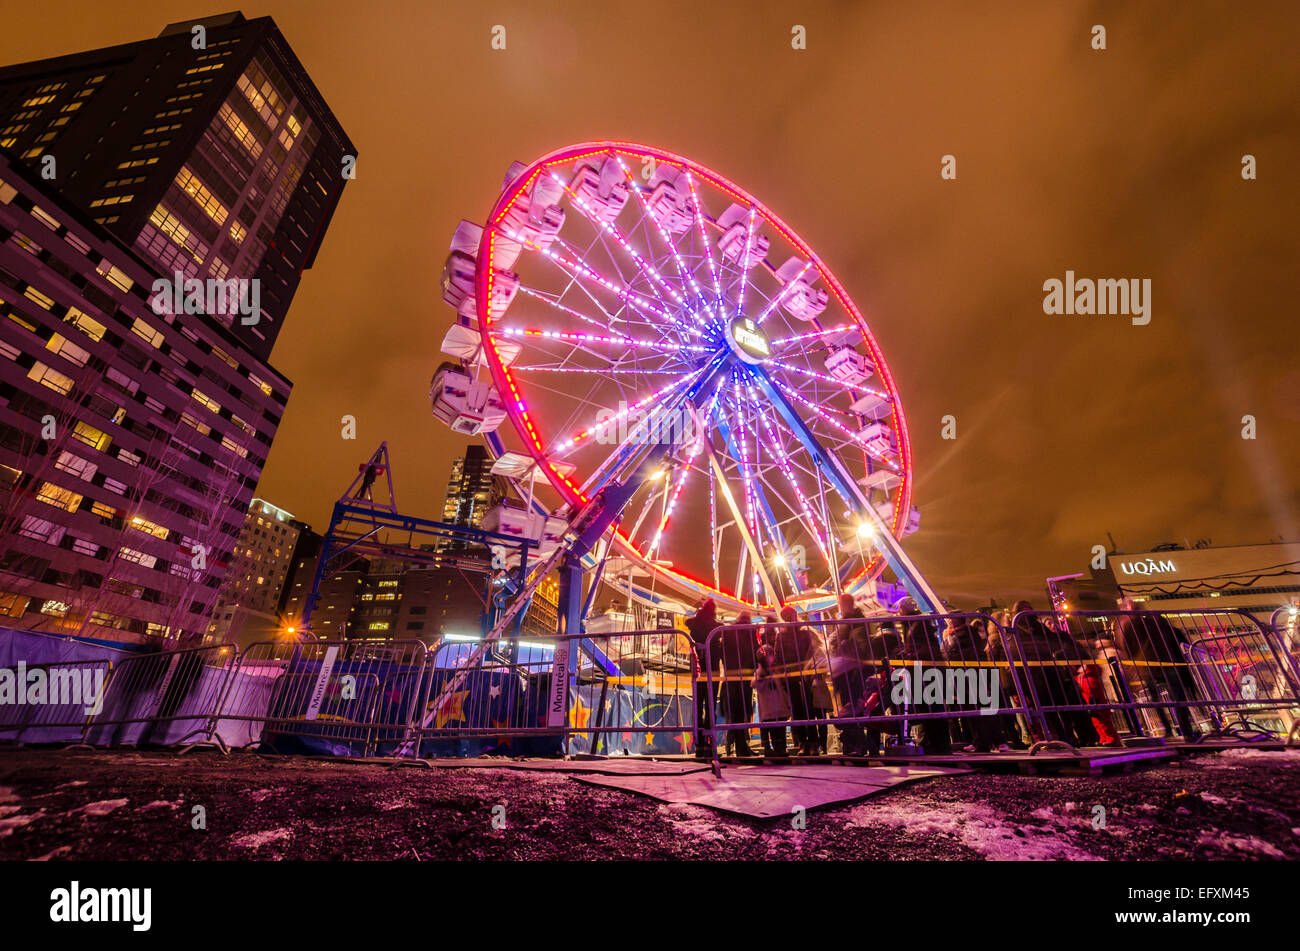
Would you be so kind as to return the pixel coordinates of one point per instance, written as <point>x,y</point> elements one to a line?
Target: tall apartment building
<point>248,607</point>
<point>472,490</point>
<point>133,433</point>
<point>131,442</point>
<point>220,162</point>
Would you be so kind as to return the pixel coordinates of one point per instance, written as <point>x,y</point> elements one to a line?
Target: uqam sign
<point>1146,566</point>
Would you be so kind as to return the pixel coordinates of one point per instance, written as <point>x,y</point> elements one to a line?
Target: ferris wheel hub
<point>747,340</point>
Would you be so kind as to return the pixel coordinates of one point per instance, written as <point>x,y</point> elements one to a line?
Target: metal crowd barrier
<point>627,692</point>
<point>853,685</point>
<point>1112,676</point>
<point>866,677</point>
<point>354,696</point>
<point>163,698</point>
<point>72,692</point>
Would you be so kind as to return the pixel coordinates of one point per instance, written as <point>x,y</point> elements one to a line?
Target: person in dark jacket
<point>1156,648</point>
<point>794,648</point>
<point>739,655</point>
<point>1051,658</point>
<point>963,649</point>
<point>920,643</point>
<point>770,692</point>
<point>850,659</point>
<point>700,625</point>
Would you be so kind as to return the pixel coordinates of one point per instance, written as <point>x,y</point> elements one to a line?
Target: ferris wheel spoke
<point>703,422</point>
<point>781,295</point>
<point>783,464</point>
<point>704,237</point>
<point>612,231</point>
<point>580,272</point>
<point>648,218</point>
<point>813,334</point>
<point>853,437</point>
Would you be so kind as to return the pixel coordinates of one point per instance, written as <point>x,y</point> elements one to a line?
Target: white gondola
<point>505,285</point>
<point>886,512</point>
<point>603,191</point>
<point>511,518</point>
<point>877,439</point>
<point>884,479</point>
<point>800,299</point>
<point>670,200</point>
<point>735,227</point>
<point>517,465</point>
<point>533,220</point>
<point>458,275</point>
<point>849,366</point>
<point>871,406</point>
<point>469,407</point>
<point>458,272</point>
<point>465,344</point>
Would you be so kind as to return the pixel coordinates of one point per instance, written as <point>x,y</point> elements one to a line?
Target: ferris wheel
<point>641,321</point>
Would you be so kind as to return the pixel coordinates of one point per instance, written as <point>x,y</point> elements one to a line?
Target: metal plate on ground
<point>764,792</point>
<point>628,766</point>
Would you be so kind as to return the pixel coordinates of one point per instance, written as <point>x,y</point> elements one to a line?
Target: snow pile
<point>256,840</point>
<point>1229,759</point>
<point>9,824</point>
<point>102,808</point>
<point>978,827</point>
<point>695,821</point>
<point>1246,844</point>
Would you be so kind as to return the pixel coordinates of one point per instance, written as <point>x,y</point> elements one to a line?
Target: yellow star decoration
<point>579,715</point>
<point>453,709</point>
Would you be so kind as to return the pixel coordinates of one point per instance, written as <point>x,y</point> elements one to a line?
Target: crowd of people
<point>792,677</point>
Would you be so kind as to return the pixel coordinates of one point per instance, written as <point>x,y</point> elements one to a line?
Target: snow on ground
<point>695,821</point>
<point>8,825</point>
<point>1231,759</point>
<point>1240,846</point>
<point>977,826</point>
<point>53,853</point>
<point>257,840</point>
<point>103,807</point>
<point>161,804</point>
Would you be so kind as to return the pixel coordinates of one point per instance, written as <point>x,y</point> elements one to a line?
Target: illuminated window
<point>44,218</point>
<point>91,436</point>
<point>116,276</point>
<point>88,325</point>
<point>137,557</point>
<point>151,528</point>
<point>52,378</point>
<point>59,497</point>
<point>145,332</point>
<point>69,351</point>
<point>170,225</point>
<point>225,358</point>
<point>112,200</point>
<point>378,625</point>
<point>189,420</point>
<point>41,299</point>
<point>206,400</point>
<point>190,184</point>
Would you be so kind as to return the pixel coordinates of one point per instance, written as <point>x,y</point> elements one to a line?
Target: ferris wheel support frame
<point>898,560</point>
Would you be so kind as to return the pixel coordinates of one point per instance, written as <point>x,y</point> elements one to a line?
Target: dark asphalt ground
<point>1243,804</point>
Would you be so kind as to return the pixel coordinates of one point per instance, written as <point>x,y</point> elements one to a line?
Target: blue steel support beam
<point>843,483</point>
